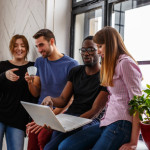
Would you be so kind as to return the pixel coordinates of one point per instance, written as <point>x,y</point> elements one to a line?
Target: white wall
<point>58,20</point>
<point>20,17</point>
<point>28,16</point>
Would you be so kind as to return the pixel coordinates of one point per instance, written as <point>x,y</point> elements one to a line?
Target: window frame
<point>83,2</point>
<point>106,5</point>
<point>110,4</point>
<point>83,7</point>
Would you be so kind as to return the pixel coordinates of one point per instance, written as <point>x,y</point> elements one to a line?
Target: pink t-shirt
<point>127,83</point>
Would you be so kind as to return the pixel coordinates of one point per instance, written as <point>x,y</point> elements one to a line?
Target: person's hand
<point>128,146</point>
<point>10,75</point>
<point>48,101</point>
<point>33,128</point>
<point>47,127</point>
<point>28,78</point>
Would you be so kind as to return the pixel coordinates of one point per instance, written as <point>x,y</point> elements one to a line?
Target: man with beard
<point>84,83</point>
<point>52,72</point>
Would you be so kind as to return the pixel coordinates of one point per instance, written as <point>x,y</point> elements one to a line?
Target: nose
<point>86,53</point>
<point>99,51</point>
<point>19,47</point>
<point>39,49</point>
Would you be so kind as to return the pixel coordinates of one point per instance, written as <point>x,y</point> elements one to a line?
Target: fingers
<point>36,129</point>
<point>10,75</point>
<point>47,127</point>
<point>14,69</point>
<point>28,78</point>
<point>33,128</point>
<point>128,146</point>
<point>30,124</point>
<point>47,101</point>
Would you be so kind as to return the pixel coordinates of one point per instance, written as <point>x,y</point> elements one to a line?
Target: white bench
<point>141,145</point>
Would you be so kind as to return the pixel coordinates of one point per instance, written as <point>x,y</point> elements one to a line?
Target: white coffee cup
<point>32,70</point>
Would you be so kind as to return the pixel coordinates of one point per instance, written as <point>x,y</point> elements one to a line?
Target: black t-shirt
<point>12,112</point>
<point>85,88</point>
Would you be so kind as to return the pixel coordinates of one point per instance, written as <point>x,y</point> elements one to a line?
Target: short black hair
<point>90,37</point>
<point>46,33</point>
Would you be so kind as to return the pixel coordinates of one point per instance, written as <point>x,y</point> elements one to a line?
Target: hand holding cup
<point>31,72</point>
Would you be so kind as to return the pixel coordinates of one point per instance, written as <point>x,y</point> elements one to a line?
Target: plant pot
<point>145,130</point>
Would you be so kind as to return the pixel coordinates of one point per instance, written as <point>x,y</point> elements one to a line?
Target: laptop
<point>44,115</point>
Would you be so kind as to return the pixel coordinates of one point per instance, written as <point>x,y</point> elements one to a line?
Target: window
<point>88,18</point>
<point>78,0</point>
<point>86,24</point>
<point>130,18</point>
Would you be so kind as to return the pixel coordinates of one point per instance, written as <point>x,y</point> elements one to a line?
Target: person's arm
<point>63,99</point>
<point>132,77</point>
<point>97,106</point>
<point>34,84</point>
<point>134,135</point>
<point>62,110</point>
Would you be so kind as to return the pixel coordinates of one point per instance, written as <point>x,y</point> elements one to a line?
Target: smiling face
<point>19,51</point>
<point>44,47</point>
<point>91,58</point>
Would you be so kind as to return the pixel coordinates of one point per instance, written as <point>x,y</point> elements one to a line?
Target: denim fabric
<point>58,137</point>
<point>110,137</point>
<point>81,140</point>
<point>14,137</point>
<point>114,136</point>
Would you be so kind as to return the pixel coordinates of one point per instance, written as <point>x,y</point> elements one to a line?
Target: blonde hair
<point>114,47</point>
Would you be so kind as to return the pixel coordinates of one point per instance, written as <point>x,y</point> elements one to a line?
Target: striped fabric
<point>127,83</point>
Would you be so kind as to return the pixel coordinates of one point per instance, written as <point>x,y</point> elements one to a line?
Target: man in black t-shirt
<point>84,83</point>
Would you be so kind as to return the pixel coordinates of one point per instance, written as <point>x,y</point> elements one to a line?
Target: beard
<point>92,62</point>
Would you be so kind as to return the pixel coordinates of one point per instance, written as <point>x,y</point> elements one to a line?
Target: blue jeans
<point>110,137</point>
<point>58,137</point>
<point>14,137</point>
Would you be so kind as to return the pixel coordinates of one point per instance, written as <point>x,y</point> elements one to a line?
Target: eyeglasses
<point>89,50</point>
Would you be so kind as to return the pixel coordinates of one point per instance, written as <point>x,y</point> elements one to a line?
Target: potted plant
<point>141,104</point>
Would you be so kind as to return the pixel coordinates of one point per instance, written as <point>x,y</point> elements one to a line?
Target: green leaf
<point>140,116</point>
<point>147,91</point>
<point>148,86</point>
<point>141,104</point>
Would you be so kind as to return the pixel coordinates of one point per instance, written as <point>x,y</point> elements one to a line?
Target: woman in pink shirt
<point>122,76</point>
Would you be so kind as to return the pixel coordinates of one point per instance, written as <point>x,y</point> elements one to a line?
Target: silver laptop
<point>44,115</point>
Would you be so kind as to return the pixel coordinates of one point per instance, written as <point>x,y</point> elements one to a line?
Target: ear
<point>52,41</point>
